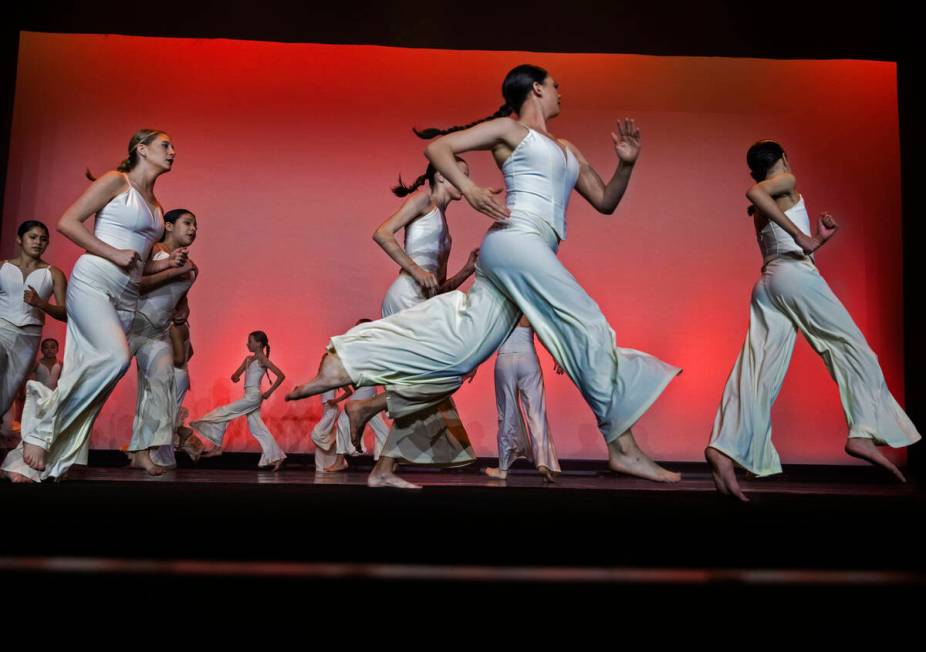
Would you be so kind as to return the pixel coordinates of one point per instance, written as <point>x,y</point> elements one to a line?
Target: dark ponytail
<point>761,157</point>
<point>516,87</point>
<point>402,190</point>
<point>140,137</point>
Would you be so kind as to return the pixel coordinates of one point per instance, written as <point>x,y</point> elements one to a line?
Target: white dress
<point>421,354</point>
<point>46,376</point>
<point>20,327</point>
<point>792,296</point>
<point>523,430</point>
<point>212,426</point>
<point>325,433</point>
<point>156,407</point>
<point>434,436</point>
<point>101,300</point>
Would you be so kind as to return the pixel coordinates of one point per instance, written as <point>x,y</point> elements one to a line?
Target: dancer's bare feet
<point>496,473</point>
<point>359,413</point>
<point>34,456</point>
<point>340,464</point>
<point>724,474</point>
<point>383,475</point>
<point>215,451</point>
<point>273,467</point>
<point>548,475</point>
<point>624,456</point>
<point>331,375</point>
<point>142,460</point>
<point>18,478</point>
<point>865,449</point>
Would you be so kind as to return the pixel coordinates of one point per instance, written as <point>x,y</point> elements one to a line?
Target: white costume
<point>20,327</point>
<point>519,386</point>
<point>332,433</point>
<point>421,354</point>
<point>434,436</point>
<point>212,426</point>
<point>790,296</point>
<point>101,302</point>
<point>46,376</point>
<point>156,407</point>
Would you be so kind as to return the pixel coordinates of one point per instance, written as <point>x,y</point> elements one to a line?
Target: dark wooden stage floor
<point>830,533</point>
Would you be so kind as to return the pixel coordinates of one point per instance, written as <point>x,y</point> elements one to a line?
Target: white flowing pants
<point>421,354</point>
<point>18,346</point>
<point>156,404</point>
<point>212,426</point>
<point>791,296</point>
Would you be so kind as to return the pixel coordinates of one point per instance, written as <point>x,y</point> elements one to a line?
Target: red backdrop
<point>286,153</point>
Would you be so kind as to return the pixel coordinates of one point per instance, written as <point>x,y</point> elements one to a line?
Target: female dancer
<point>101,301</point>
<point>26,284</point>
<point>435,436</point>
<point>790,296</point>
<point>48,368</point>
<point>519,385</point>
<point>212,426</point>
<point>149,341</point>
<point>422,353</point>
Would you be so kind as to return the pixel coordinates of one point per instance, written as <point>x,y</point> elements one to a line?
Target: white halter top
<point>158,305</point>
<point>427,241</point>
<point>12,286</point>
<point>127,222</point>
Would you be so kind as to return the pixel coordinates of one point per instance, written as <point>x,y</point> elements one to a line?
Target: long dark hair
<point>171,217</point>
<point>140,137</point>
<point>28,225</point>
<point>760,158</point>
<point>401,190</point>
<point>515,89</point>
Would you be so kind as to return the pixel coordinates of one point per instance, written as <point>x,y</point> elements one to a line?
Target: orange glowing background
<point>286,153</point>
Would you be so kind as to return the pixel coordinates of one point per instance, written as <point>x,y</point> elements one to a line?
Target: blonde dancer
<point>792,296</point>
<point>422,354</point>
<point>101,300</point>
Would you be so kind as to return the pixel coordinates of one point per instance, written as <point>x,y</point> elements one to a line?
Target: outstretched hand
<point>626,140</point>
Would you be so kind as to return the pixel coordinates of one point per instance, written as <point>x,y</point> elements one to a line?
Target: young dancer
<point>48,369</point>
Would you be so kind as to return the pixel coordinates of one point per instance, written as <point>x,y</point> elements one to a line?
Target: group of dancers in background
<point>127,298</point>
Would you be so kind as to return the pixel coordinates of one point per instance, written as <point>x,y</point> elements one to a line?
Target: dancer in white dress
<point>157,405</point>
<point>792,296</point>
<point>27,283</point>
<point>101,300</point>
<point>212,426</point>
<point>48,368</point>
<point>523,429</point>
<point>421,354</point>
<point>434,436</point>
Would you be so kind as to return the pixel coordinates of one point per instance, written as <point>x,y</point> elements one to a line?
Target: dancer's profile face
<point>183,230</point>
<point>253,345</point>
<point>34,242</point>
<point>550,97</point>
<point>452,189</point>
<point>159,152</point>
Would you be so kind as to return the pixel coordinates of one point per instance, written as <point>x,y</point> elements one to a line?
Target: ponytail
<point>427,134</point>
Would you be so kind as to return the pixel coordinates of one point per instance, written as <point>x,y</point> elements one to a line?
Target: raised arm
<point>499,135</point>
<point>59,289</point>
<point>385,238</point>
<point>605,197</point>
<point>71,223</point>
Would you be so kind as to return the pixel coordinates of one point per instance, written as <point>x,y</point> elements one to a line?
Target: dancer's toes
<point>865,449</point>
<point>495,473</point>
<point>548,475</point>
<point>142,460</point>
<point>724,474</point>
<point>389,480</point>
<point>34,456</point>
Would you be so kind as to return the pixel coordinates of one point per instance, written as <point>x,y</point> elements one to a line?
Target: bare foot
<point>724,474</point>
<point>495,473</point>
<point>548,475</point>
<point>624,456</point>
<point>865,449</point>
<point>339,466</point>
<point>142,460</point>
<point>215,451</point>
<point>331,375</point>
<point>18,478</point>
<point>389,479</point>
<point>359,413</point>
<point>273,467</point>
<point>34,456</point>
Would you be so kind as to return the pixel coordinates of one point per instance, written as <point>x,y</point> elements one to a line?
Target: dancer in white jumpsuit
<point>523,429</point>
<point>434,436</point>
<point>26,284</point>
<point>421,354</point>
<point>159,397</point>
<point>331,442</point>
<point>101,300</point>
<point>792,296</point>
<point>212,426</point>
